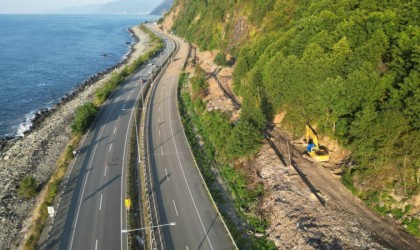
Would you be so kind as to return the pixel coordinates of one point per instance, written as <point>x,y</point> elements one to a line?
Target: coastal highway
<point>91,214</point>
<point>180,193</point>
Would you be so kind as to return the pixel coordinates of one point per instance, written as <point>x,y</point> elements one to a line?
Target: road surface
<point>91,214</point>
<point>181,196</point>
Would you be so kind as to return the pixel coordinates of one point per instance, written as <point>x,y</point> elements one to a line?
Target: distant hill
<point>164,7</point>
<point>115,7</point>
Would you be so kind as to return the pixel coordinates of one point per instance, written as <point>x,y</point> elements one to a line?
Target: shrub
<point>220,59</point>
<point>84,116</point>
<point>28,187</point>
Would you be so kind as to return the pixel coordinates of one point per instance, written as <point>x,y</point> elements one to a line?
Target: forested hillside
<point>350,68</point>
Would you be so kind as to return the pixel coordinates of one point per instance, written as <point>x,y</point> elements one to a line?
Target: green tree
<point>244,140</point>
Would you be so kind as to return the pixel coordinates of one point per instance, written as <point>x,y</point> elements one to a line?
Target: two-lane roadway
<point>181,194</point>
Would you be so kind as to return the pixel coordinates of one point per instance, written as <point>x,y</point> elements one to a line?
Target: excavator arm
<point>313,148</point>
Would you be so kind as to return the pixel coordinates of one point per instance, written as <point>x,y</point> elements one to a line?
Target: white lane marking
<point>100,204</point>
<point>84,185</point>
<point>167,176</point>
<point>182,169</point>
<point>90,166</point>
<point>96,244</point>
<point>187,247</point>
<point>106,167</point>
<point>176,211</point>
<point>161,149</point>
<point>110,147</point>
<point>115,129</point>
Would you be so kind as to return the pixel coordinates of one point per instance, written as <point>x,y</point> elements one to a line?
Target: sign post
<point>51,211</point>
<point>127,204</point>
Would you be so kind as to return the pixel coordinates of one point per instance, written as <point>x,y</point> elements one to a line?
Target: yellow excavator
<point>314,150</point>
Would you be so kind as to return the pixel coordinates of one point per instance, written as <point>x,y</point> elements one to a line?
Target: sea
<point>44,57</point>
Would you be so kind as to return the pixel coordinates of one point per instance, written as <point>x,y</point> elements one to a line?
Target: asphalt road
<point>181,196</point>
<point>91,214</point>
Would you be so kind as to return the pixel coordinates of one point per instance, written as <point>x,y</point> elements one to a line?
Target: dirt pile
<point>298,219</point>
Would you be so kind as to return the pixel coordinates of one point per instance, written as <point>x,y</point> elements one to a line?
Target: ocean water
<point>43,57</point>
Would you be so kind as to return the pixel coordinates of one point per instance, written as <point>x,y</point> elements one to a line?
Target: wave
<point>26,125</point>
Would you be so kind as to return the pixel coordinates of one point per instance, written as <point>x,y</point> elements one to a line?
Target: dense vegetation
<point>350,68</point>
<point>211,135</point>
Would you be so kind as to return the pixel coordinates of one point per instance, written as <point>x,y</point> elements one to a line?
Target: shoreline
<point>39,149</point>
<point>40,115</point>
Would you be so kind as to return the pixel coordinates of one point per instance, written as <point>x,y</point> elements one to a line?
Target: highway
<point>180,193</point>
<point>91,214</point>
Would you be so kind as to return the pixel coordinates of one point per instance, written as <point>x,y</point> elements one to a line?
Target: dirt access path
<point>308,209</point>
<point>340,205</point>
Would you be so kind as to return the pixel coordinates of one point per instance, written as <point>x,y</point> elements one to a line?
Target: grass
<point>132,193</point>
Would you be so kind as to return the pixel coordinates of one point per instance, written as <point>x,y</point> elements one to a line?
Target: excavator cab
<point>313,149</point>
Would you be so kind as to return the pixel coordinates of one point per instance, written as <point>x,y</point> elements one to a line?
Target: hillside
<point>350,68</point>
<point>162,8</point>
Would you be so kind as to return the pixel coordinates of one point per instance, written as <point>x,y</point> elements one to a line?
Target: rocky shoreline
<point>38,150</point>
<point>40,115</point>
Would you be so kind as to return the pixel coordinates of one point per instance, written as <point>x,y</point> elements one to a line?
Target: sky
<point>41,6</point>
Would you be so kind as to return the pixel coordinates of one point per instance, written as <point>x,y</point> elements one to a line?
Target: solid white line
<point>161,149</point>
<point>182,170</point>
<point>96,244</point>
<point>176,211</point>
<point>100,204</point>
<point>106,167</point>
<point>167,176</point>
<point>110,146</point>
